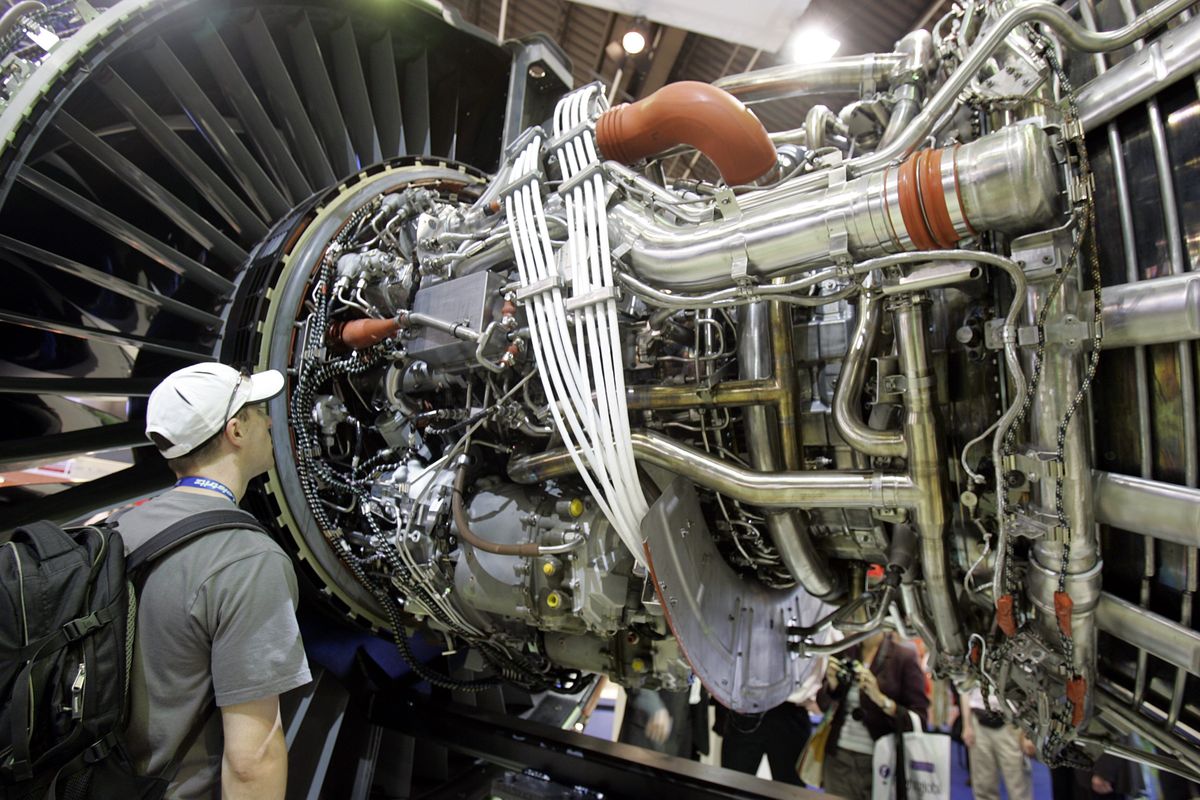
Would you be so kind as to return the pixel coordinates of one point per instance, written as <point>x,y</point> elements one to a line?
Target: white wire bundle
<point>577,368</point>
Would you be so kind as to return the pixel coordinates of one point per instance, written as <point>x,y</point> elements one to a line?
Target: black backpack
<point>68,608</point>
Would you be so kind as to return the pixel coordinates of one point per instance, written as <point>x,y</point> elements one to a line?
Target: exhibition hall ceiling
<point>688,53</point>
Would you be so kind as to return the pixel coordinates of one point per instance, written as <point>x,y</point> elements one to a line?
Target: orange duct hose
<point>359,333</point>
<point>692,113</point>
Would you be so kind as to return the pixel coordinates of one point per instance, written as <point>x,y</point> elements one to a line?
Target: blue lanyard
<point>207,483</point>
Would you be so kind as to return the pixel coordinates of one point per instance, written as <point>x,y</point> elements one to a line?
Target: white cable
<point>602,329</point>
<point>578,404</point>
<point>627,469</point>
<point>566,424</point>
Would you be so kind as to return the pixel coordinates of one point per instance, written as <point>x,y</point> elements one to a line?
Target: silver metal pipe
<point>1124,715</point>
<point>932,276</point>
<point>1159,510</point>
<point>801,489</point>
<point>696,212</point>
<point>787,528</point>
<point>1061,377</point>
<point>789,292</point>
<point>1191,458</point>
<point>455,329</point>
<point>859,75</point>
<point>1148,631</point>
<point>1174,55</point>
<point>1152,760</point>
<point>793,136</point>
<point>925,470</point>
<point>1006,181</point>
<point>1042,11</point>
<point>1145,438</point>
<point>1152,311</point>
<point>911,599</point>
<point>846,398</point>
<point>908,105</point>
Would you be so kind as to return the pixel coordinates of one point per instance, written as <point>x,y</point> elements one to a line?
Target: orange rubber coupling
<point>689,112</point>
<point>359,333</point>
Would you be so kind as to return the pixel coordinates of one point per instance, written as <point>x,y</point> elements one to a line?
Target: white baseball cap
<point>191,405</point>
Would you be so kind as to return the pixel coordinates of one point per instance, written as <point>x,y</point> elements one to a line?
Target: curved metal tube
<point>802,489</point>
<point>1042,11</point>
<point>908,104</point>
<point>463,525</point>
<point>1006,181</point>
<point>787,528</point>
<point>724,298</point>
<point>925,470</point>
<point>689,112</point>
<point>849,389</point>
<point>854,74</point>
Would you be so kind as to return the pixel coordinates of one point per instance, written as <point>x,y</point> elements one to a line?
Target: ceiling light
<point>809,45</point>
<point>634,41</point>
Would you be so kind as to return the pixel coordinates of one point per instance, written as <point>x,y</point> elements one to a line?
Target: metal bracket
<point>739,264</point>
<point>1037,464</point>
<point>893,515</point>
<point>540,287</point>
<point>576,180</point>
<point>1037,527</point>
<point>558,142</point>
<point>517,184</point>
<point>727,205</point>
<point>1069,330</point>
<point>839,237</point>
<point>895,384</point>
<point>522,141</point>
<point>595,297</point>
<point>886,370</point>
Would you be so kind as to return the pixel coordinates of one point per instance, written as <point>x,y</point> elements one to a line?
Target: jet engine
<point>927,363</point>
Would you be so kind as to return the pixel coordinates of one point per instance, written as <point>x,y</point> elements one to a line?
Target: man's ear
<point>235,431</point>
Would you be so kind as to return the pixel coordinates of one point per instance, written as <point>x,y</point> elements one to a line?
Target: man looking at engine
<point>216,627</point>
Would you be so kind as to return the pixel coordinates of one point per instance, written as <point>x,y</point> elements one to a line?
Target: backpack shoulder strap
<point>48,539</point>
<point>187,529</point>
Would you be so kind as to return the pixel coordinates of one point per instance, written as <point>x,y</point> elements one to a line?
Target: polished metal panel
<point>733,630</point>
<point>472,301</point>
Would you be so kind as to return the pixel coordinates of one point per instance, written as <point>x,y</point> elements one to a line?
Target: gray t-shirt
<point>216,627</point>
